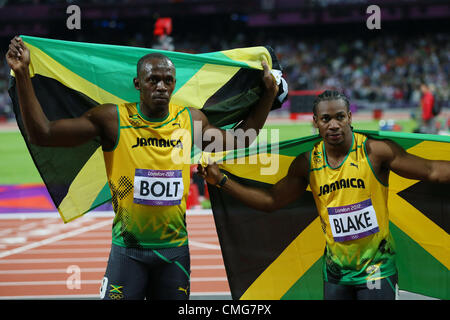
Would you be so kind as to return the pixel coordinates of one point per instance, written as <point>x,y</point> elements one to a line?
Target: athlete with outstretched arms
<point>348,174</point>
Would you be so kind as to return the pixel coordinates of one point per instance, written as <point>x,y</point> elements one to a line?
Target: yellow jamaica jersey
<point>352,205</point>
<point>148,174</point>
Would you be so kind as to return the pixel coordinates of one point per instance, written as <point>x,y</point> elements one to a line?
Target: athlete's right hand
<point>18,55</point>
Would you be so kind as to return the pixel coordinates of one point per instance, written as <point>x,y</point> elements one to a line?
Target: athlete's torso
<point>148,174</point>
<point>352,205</point>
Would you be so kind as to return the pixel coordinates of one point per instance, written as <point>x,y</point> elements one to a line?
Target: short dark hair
<point>149,56</point>
<point>328,95</point>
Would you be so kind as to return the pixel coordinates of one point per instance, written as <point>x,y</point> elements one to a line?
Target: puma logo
<point>183,290</point>
<point>355,165</point>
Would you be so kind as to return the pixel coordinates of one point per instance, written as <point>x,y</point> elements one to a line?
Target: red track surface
<point>36,255</point>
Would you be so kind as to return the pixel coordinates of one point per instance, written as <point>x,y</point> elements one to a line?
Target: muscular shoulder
<point>104,117</point>
<point>102,112</point>
<point>198,115</point>
<point>382,151</point>
<point>200,130</point>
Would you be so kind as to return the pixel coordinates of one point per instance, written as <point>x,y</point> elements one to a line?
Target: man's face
<point>156,82</point>
<point>423,88</point>
<point>333,121</point>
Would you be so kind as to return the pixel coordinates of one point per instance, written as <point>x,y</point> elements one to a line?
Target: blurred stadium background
<point>321,44</point>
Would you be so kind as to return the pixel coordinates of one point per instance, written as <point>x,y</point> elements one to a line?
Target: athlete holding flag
<point>149,256</point>
<point>348,174</point>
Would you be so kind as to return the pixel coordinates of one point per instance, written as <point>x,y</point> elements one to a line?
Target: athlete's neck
<point>154,111</point>
<point>336,153</point>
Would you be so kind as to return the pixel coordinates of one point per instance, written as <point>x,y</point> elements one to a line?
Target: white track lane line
<point>71,250</point>
<point>203,245</point>
<point>92,214</point>
<point>98,281</point>
<point>92,259</point>
<point>87,270</point>
<point>54,260</point>
<point>49,271</point>
<point>54,239</point>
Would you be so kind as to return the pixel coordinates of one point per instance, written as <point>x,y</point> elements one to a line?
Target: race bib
<point>353,222</point>
<point>158,187</point>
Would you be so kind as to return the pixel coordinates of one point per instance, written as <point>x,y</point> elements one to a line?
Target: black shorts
<point>139,273</point>
<point>382,289</point>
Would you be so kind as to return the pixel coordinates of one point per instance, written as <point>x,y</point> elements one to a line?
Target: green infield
<point>16,165</point>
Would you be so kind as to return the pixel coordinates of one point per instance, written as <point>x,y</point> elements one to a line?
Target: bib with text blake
<point>158,187</point>
<point>353,221</point>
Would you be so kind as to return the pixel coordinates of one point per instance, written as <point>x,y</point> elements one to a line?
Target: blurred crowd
<point>5,102</point>
<point>380,72</point>
<point>385,72</point>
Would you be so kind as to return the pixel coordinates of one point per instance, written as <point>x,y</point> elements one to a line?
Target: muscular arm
<point>64,132</point>
<point>248,129</point>
<point>285,191</point>
<point>387,155</point>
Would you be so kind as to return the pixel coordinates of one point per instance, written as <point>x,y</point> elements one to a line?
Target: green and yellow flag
<point>69,78</point>
<point>278,255</point>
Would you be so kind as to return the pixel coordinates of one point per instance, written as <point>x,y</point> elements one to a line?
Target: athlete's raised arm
<point>387,155</point>
<point>247,131</point>
<point>285,191</point>
<point>64,132</point>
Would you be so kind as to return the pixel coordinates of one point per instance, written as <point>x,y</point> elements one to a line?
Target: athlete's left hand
<point>269,81</point>
<point>210,173</point>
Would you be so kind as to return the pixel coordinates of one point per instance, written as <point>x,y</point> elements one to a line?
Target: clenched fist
<point>18,55</point>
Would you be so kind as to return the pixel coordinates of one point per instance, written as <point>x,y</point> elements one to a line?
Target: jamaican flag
<point>278,255</point>
<point>69,78</point>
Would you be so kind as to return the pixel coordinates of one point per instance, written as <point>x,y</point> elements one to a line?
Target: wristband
<point>222,182</point>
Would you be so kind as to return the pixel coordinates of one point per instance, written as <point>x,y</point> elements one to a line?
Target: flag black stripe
<point>57,166</point>
<point>250,239</point>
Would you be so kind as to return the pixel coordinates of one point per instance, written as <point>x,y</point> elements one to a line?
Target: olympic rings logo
<point>115,296</point>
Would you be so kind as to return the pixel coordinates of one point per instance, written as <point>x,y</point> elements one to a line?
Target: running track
<point>41,257</point>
